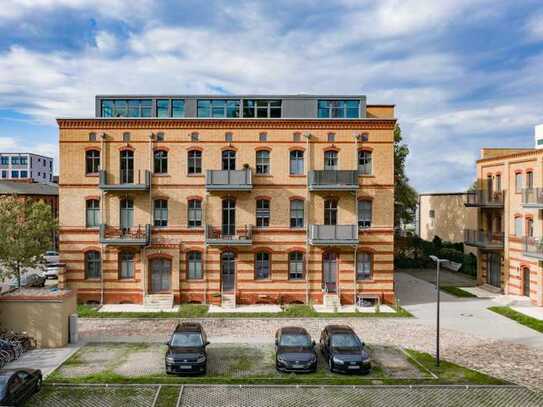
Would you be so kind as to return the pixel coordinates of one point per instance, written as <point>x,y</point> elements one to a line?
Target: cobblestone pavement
<point>287,396</point>
<point>516,363</point>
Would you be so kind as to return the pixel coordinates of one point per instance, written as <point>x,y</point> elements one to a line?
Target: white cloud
<point>534,26</point>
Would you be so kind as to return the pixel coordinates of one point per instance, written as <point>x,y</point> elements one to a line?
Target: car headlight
<point>169,359</point>
<point>201,359</point>
<point>338,361</point>
<point>281,359</point>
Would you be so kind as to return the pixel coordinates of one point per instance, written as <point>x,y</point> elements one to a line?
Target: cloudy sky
<point>463,73</point>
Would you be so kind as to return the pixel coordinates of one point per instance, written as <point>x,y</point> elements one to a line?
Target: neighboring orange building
<point>242,199</point>
<point>47,193</point>
<point>509,228</point>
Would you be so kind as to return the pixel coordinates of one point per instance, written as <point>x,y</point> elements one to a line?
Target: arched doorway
<point>526,282</point>
<point>161,275</point>
<point>329,271</point>
<point>228,270</point>
<point>493,269</point>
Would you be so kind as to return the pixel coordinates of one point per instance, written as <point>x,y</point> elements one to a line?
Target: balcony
<point>228,235</point>
<point>532,198</point>
<point>483,239</point>
<point>129,181</point>
<point>333,235</point>
<point>533,247</point>
<point>135,236</point>
<point>484,199</point>
<point>333,180</point>
<point>229,180</point>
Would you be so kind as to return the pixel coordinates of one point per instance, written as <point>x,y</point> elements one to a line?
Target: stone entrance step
<point>228,300</point>
<point>158,301</point>
<point>331,300</point>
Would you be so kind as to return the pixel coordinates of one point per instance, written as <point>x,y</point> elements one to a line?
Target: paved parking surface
<point>288,396</point>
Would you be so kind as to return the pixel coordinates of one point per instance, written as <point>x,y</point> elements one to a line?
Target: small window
<point>331,137</point>
<point>363,266</point>
<point>364,162</point>
<point>518,182</point>
<point>194,213</point>
<point>364,214</point>
<point>15,174</point>
<point>263,137</point>
<point>126,137</point>
<point>178,108</point>
<point>229,160</point>
<point>160,136</point>
<point>330,160</point>
<point>262,266</point>
<point>93,265</point>
<point>4,174</point>
<point>296,137</point>
<point>194,136</point>
<point>228,137</point>
<point>529,180</point>
<point>194,162</point>
<point>498,183</point>
<point>330,212</point>
<point>24,174</point>
<point>161,162</point>
<point>296,162</point>
<point>296,213</point>
<point>263,162</point>
<point>518,226</point>
<point>92,136</point>
<point>126,268</point>
<point>262,213</point>
<point>194,266</point>
<point>162,108</point>
<point>93,213</point>
<point>161,212</point>
<point>432,213</point>
<point>295,266</point>
<point>4,160</point>
<point>530,227</point>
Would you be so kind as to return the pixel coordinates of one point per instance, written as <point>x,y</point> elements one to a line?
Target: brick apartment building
<point>510,221</point>
<point>249,199</point>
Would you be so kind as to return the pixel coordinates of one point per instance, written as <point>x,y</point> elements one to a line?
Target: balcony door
<point>493,269</point>
<point>228,217</point>
<point>127,167</point>
<point>161,272</point>
<point>229,160</point>
<point>526,282</point>
<point>228,270</point>
<point>127,214</point>
<point>329,271</point>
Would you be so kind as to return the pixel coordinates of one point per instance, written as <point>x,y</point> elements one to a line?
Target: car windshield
<point>295,340</point>
<point>187,339</point>
<point>345,341</point>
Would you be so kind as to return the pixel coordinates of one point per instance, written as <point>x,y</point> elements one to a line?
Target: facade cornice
<point>509,156</point>
<point>153,123</point>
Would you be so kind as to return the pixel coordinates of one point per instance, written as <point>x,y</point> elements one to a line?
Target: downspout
<point>355,263</point>
<point>204,257</point>
<point>308,217</point>
<point>103,219</point>
<point>145,276</point>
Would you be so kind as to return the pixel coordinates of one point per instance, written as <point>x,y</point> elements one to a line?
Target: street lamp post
<point>438,262</point>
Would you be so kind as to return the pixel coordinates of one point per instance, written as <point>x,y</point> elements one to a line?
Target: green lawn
<point>201,311</point>
<point>457,292</point>
<point>535,324</point>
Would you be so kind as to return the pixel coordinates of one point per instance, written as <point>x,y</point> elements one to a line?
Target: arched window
<point>295,266</point>
<point>364,214</point>
<point>229,160</point>
<point>92,264</point>
<point>194,161</point>
<point>194,213</point>
<point>194,266</point>
<point>296,213</point>
<point>93,213</point>
<point>296,162</point>
<point>127,167</point>
<point>92,161</point>
<point>330,212</point>
<point>364,162</point>
<point>262,162</point>
<point>161,162</point>
<point>363,266</point>
<point>262,266</point>
<point>161,212</point>
<point>262,213</point>
<point>330,160</point>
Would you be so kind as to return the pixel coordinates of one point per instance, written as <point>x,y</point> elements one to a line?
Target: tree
<point>26,233</point>
<point>405,194</point>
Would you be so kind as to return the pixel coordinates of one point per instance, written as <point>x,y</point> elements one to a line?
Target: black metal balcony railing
<point>485,198</point>
<point>483,239</point>
<point>135,236</point>
<point>532,197</point>
<point>533,247</point>
<point>229,235</point>
<point>333,180</point>
<point>229,180</point>
<point>128,181</point>
<point>333,235</point>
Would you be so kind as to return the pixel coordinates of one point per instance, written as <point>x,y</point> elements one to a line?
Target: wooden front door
<point>161,275</point>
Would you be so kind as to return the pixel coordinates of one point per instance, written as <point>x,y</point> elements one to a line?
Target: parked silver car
<point>51,257</point>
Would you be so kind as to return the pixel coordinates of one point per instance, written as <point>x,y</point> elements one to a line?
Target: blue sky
<point>464,74</point>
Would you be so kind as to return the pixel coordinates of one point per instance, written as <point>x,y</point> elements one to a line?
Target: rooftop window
<point>339,109</point>
<point>126,107</point>
<point>261,108</point>
<point>220,108</point>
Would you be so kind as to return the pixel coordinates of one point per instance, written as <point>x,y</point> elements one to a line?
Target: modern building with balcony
<point>509,233</point>
<point>252,198</point>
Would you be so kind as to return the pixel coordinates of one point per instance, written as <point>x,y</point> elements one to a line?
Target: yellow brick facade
<point>174,241</point>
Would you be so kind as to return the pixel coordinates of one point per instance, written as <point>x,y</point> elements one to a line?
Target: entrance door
<point>329,268</point>
<point>127,214</point>
<point>526,282</point>
<point>228,269</point>
<point>161,270</point>
<point>493,269</point>
<point>228,217</point>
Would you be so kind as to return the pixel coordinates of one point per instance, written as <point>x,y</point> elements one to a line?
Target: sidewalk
<point>47,360</point>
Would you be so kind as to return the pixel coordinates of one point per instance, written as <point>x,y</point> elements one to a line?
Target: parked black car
<point>294,350</point>
<point>187,350</point>
<point>18,385</point>
<point>343,350</point>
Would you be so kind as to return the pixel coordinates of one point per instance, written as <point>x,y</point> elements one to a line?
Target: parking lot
<point>284,396</point>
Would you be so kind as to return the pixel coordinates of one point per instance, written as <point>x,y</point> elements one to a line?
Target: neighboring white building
<point>17,166</point>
